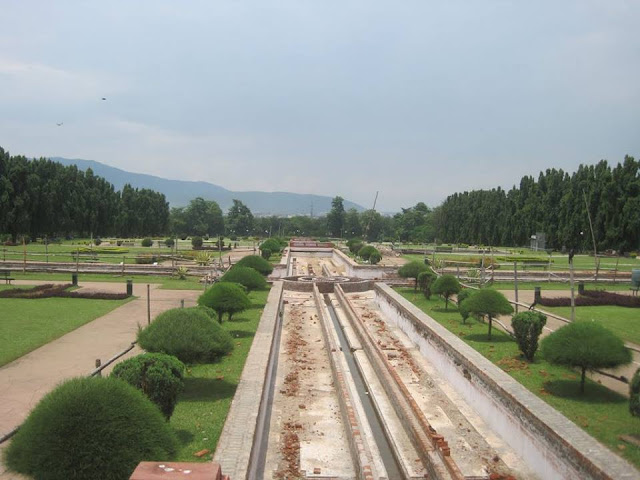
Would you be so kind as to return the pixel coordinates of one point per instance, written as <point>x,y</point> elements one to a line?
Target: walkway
<point>26,380</point>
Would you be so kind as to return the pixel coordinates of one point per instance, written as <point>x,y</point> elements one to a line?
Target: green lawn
<point>624,322</point>
<point>621,286</point>
<point>170,283</point>
<point>601,412</point>
<point>28,324</point>
<point>209,388</point>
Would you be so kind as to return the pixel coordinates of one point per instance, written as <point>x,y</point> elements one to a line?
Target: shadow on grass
<point>452,309</point>
<point>593,392</point>
<point>241,334</point>
<point>483,338</point>
<point>206,389</point>
<point>256,306</point>
<point>184,436</point>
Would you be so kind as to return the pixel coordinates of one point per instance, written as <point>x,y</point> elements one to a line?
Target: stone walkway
<point>26,380</point>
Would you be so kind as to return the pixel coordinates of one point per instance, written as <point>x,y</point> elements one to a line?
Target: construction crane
<point>373,209</point>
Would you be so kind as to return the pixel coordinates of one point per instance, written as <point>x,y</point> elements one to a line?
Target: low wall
<point>552,445</point>
<point>370,272</point>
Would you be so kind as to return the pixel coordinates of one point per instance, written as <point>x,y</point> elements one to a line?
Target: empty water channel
<point>335,412</point>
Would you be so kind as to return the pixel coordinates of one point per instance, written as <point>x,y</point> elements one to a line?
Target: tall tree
<point>239,219</point>
<point>336,217</point>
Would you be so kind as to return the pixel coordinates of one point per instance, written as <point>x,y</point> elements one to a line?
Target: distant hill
<point>180,192</point>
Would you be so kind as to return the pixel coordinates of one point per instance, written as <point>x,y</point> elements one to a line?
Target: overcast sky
<point>416,99</point>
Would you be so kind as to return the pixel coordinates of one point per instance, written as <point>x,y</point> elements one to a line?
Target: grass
<point>620,286</point>
<point>624,322</point>
<point>170,283</point>
<point>602,413</point>
<point>28,324</point>
<point>209,388</point>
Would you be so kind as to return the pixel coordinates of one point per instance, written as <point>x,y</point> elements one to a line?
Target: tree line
<point>40,197</point>
<point>558,204</point>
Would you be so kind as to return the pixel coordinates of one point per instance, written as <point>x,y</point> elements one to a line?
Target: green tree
<point>246,276</point>
<point>488,302</point>
<point>366,251</point>
<point>585,345</point>
<point>446,285</point>
<point>204,218</point>
<point>412,270</point>
<point>634,394</point>
<point>425,282</point>
<point>462,296</point>
<point>240,220</point>
<point>225,297</point>
<point>527,327</point>
<point>336,217</point>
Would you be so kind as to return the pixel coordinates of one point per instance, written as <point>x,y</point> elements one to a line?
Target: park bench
<point>6,276</point>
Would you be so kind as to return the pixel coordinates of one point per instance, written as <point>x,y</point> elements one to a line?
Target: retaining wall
<point>551,444</point>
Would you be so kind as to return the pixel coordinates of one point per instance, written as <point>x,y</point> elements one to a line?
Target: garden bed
<point>591,298</point>
<point>59,291</point>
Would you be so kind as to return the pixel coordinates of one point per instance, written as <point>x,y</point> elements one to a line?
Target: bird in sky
<point>103,98</point>
<point>60,124</point>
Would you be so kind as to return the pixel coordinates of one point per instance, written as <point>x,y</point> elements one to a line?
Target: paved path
<point>26,380</point>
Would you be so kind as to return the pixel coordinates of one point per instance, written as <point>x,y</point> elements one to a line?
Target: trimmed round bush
<point>188,334</point>
<point>169,242</point>
<point>245,276</point>
<point>634,394</point>
<point>196,242</point>
<point>146,242</point>
<point>270,244</point>
<point>425,282</point>
<point>464,294</point>
<point>257,263</point>
<point>446,285</point>
<point>225,297</point>
<point>266,253</point>
<point>375,257</point>
<point>355,245</point>
<point>90,428</point>
<point>412,270</point>
<point>527,327</point>
<point>366,251</point>
<point>158,376</point>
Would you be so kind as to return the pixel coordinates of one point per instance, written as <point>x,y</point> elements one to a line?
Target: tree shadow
<point>206,389</point>
<point>483,338</point>
<point>256,306</point>
<point>452,309</point>
<point>184,436</point>
<point>593,392</point>
<point>241,334</point>
<point>238,318</point>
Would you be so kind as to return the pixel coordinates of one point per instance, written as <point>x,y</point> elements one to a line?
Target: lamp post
<point>573,299</point>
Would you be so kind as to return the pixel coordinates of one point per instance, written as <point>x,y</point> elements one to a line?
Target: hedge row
<point>59,291</point>
<point>592,298</point>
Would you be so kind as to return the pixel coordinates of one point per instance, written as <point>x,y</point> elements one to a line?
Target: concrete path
<point>26,380</point>
<point>526,297</point>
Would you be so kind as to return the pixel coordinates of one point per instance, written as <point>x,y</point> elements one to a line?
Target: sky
<point>414,99</point>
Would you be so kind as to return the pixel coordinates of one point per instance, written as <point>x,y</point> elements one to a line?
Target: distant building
<point>538,241</point>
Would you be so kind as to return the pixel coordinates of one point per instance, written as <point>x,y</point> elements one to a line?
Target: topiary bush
<point>634,394</point>
<point>270,244</point>
<point>527,327</point>
<point>245,276</point>
<point>446,285</point>
<point>146,259</point>
<point>366,251</point>
<point>462,309</point>
<point>158,376</point>
<point>412,270</point>
<point>375,257</point>
<point>257,263</point>
<point>266,253</point>
<point>196,242</point>
<point>146,242</point>
<point>169,242</point>
<point>425,282</point>
<point>188,334</point>
<point>585,345</point>
<point>355,245</point>
<point>90,428</point>
<point>487,302</point>
<point>225,297</point>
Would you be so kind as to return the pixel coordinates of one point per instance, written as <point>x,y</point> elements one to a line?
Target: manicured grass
<point>624,322</point>
<point>602,413</point>
<point>170,283</point>
<point>28,324</point>
<point>620,286</point>
<point>209,388</point>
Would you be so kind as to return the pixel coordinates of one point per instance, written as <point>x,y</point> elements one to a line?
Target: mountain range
<point>180,192</point>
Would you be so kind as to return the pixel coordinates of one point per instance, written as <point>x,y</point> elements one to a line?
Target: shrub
<point>257,263</point>
<point>119,242</point>
<point>266,253</point>
<point>446,285</point>
<point>196,242</point>
<point>90,428</point>
<point>591,298</point>
<point>527,327</point>
<point>245,276</point>
<point>146,259</point>
<point>366,251</point>
<point>412,270</point>
<point>270,244</point>
<point>425,282</point>
<point>375,257</point>
<point>462,309</point>
<point>169,242</point>
<point>146,242</point>
<point>186,333</point>
<point>97,241</point>
<point>634,394</point>
<point>225,297</point>
<point>355,245</point>
<point>585,345</point>
<point>158,376</point>
<point>233,238</point>
<point>181,273</point>
<point>488,302</point>
<point>203,258</point>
